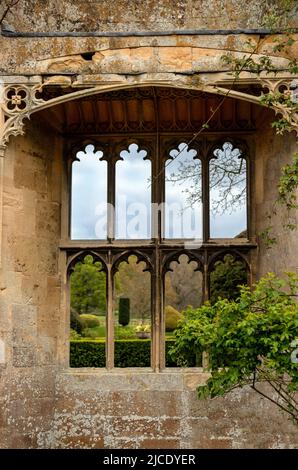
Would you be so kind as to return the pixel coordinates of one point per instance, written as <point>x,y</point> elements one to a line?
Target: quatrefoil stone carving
<point>16,99</point>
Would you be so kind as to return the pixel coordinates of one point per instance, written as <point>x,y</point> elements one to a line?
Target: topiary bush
<point>90,321</point>
<point>76,322</point>
<point>172,316</point>
<point>124,311</point>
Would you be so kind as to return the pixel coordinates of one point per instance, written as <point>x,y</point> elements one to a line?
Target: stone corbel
<point>17,102</point>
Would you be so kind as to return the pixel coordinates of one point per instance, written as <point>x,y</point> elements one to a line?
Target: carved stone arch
<point>238,143</point>
<point>172,143</point>
<point>237,255</point>
<point>124,256</point>
<point>15,107</point>
<point>79,257</point>
<point>80,145</point>
<point>174,257</point>
<point>141,142</point>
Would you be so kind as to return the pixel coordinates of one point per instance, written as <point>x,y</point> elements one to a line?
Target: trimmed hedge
<point>87,353</point>
<point>128,353</point>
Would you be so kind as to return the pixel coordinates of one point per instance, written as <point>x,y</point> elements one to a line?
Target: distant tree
<point>132,281</point>
<point>88,287</point>
<point>226,278</point>
<point>183,286</point>
<point>124,311</point>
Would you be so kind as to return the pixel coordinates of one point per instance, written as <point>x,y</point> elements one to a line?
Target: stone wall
<point>272,153</point>
<point>30,286</point>
<point>138,15</point>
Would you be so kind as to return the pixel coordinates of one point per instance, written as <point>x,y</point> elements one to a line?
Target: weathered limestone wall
<point>272,153</point>
<point>159,411</point>
<point>148,15</point>
<point>29,286</point>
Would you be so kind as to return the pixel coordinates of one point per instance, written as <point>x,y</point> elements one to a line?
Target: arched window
<point>228,273</point>
<point>228,193</point>
<point>89,195</point>
<point>88,313</point>
<point>132,314</point>
<point>183,194</point>
<point>164,210</point>
<point>133,194</point>
<point>183,289</point>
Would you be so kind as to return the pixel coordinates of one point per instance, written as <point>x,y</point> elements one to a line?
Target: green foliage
<point>90,320</point>
<point>172,317</point>
<point>124,311</point>
<point>124,332</point>
<point>88,287</point>
<point>288,183</point>
<point>226,278</point>
<point>248,340</point>
<point>267,237</point>
<point>128,353</point>
<point>87,354</point>
<point>74,335</point>
<point>76,322</point>
<point>132,353</point>
<point>95,332</point>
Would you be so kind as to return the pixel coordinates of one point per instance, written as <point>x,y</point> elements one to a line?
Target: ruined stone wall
<point>42,402</point>
<point>272,153</point>
<point>30,286</point>
<point>140,15</point>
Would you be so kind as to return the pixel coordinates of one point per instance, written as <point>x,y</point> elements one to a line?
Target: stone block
<point>23,357</point>
<point>160,444</point>
<point>47,219</point>
<point>175,59</point>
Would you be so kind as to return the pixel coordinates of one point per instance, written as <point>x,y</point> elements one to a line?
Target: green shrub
<point>128,353</point>
<point>124,332</point>
<point>94,333</point>
<point>194,361</point>
<point>88,287</point>
<point>172,317</point>
<point>76,322</point>
<point>73,334</point>
<point>90,320</point>
<point>124,311</point>
<point>249,341</point>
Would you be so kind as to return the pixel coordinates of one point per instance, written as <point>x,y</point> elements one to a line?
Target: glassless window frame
<point>157,252</point>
